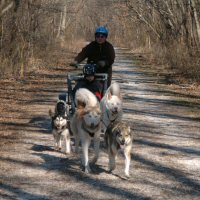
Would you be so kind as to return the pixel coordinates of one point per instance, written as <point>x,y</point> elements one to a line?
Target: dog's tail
<point>84,98</point>
<point>51,114</point>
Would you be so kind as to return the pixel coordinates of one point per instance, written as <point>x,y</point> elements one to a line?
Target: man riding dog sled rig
<point>99,52</point>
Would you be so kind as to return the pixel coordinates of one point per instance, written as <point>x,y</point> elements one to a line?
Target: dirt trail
<point>165,157</point>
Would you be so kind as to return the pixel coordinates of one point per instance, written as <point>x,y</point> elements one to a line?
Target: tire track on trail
<point>165,157</point>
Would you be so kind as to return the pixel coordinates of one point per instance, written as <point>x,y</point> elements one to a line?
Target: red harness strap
<point>98,95</point>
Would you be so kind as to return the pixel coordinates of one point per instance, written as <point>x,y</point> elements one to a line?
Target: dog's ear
<point>115,89</point>
<point>109,95</point>
<point>51,114</point>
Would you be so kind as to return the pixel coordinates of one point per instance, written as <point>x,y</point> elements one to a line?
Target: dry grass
<point>182,64</point>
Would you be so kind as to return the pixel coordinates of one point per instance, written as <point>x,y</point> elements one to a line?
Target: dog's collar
<point>86,130</point>
<point>112,120</point>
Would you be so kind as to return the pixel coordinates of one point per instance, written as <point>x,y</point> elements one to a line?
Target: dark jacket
<point>95,87</point>
<point>97,52</point>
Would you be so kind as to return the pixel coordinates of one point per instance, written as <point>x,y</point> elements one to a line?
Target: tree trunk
<point>195,22</point>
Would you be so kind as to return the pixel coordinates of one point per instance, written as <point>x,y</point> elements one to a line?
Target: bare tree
<point>168,29</point>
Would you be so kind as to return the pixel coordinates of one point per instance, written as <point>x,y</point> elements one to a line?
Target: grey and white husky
<point>111,106</point>
<point>86,124</point>
<point>118,136</point>
<point>59,125</point>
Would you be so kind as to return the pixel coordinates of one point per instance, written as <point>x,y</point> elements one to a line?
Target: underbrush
<point>180,61</point>
<point>55,55</point>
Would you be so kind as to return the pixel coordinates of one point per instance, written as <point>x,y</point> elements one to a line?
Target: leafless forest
<point>168,31</point>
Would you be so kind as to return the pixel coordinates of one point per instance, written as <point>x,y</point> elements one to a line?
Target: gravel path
<point>165,156</point>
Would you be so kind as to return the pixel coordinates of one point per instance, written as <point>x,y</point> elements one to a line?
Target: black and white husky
<point>60,129</point>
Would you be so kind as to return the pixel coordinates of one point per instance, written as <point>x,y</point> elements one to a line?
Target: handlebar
<point>100,64</point>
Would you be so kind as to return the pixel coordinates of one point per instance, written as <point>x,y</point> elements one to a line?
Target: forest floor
<point>165,118</point>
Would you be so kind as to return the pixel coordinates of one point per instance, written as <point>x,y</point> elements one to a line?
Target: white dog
<point>60,127</point>
<point>85,124</point>
<point>111,106</point>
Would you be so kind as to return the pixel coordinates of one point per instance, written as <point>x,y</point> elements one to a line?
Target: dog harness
<point>91,134</point>
<point>86,130</point>
<point>112,121</point>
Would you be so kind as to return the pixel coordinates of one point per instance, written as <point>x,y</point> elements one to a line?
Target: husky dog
<point>85,124</point>
<point>118,136</point>
<point>60,126</point>
<point>111,106</point>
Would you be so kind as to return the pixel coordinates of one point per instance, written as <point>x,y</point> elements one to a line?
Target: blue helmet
<point>102,30</point>
<point>89,69</point>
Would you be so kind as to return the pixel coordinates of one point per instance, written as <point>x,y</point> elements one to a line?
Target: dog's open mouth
<point>115,112</point>
<point>59,127</point>
<point>93,126</point>
<point>122,144</point>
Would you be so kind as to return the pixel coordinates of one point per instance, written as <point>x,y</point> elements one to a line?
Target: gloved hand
<point>74,64</point>
<point>101,63</point>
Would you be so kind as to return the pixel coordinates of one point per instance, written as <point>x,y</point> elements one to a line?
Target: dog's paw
<point>94,160</point>
<point>87,170</point>
<point>112,167</point>
<point>127,175</point>
<point>67,151</point>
